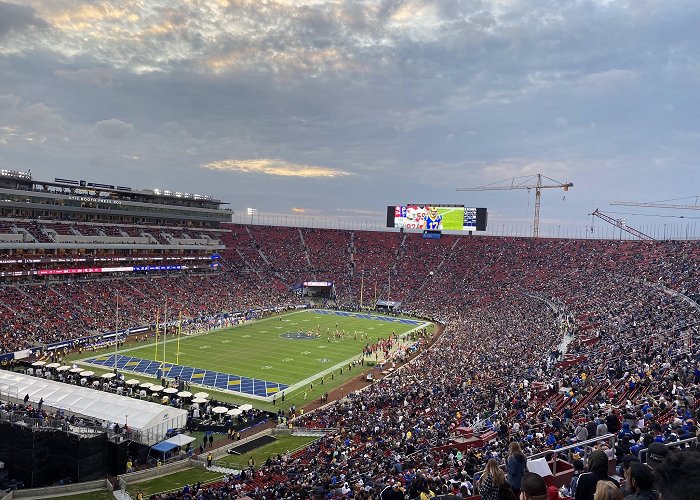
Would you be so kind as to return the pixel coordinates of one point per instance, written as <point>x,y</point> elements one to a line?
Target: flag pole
<point>116,333</point>
<point>362,287</point>
<point>155,356</point>
<point>179,332</point>
<point>165,328</point>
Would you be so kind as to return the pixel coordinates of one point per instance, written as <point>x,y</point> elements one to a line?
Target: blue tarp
<point>164,447</point>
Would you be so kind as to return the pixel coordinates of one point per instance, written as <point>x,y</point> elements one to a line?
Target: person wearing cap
<point>533,487</point>
<point>578,470</point>
<point>656,453</point>
<point>597,471</point>
<point>640,482</point>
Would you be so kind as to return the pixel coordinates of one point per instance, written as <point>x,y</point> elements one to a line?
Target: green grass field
<point>257,349</point>
<point>262,349</point>
<point>173,481</point>
<point>283,444</point>
<point>452,218</point>
<point>93,495</point>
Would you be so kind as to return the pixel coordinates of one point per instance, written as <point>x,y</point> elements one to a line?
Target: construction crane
<point>525,182</point>
<point>620,223</point>
<point>660,204</point>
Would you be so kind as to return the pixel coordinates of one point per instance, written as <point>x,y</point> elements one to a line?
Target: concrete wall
<point>143,475</point>
<point>75,238</point>
<point>10,238</point>
<point>52,491</point>
<point>193,241</point>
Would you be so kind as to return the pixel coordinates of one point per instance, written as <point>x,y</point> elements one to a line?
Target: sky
<point>338,108</point>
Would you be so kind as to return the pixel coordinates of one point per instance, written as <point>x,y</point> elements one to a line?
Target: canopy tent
<point>164,447</point>
<point>180,440</point>
<point>152,420</point>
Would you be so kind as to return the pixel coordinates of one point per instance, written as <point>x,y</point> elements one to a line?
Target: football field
<point>264,357</point>
<point>452,218</point>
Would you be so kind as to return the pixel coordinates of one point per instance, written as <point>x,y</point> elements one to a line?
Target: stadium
<point>148,342</point>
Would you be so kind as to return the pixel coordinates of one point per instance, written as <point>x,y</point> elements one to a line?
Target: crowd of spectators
<point>543,339</point>
<point>44,231</point>
<point>42,313</point>
<point>39,416</point>
<point>512,307</point>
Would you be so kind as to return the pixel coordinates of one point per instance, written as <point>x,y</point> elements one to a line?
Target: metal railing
<point>48,423</point>
<point>83,429</point>
<point>587,445</point>
<point>642,453</point>
<point>681,231</point>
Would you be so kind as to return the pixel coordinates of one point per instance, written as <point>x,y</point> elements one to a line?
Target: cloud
<point>414,97</point>
<point>15,17</point>
<point>274,167</point>
<point>30,122</point>
<point>113,128</point>
<point>361,211</point>
<point>96,77</point>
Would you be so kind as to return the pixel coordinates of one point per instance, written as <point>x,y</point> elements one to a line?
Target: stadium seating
<point>540,335</point>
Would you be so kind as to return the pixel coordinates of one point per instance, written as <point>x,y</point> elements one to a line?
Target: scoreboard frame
<point>413,215</point>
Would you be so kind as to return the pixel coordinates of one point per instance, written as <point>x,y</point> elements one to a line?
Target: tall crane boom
<point>525,182</point>
<point>660,204</point>
<point>620,223</point>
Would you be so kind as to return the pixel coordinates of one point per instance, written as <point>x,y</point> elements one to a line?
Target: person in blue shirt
<point>433,220</point>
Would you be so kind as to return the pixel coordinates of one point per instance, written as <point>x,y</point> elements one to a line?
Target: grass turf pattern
<point>264,357</point>
<point>282,445</point>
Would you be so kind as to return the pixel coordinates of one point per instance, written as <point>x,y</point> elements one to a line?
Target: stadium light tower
<point>252,212</point>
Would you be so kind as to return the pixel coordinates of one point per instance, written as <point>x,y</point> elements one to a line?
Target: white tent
<point>151,419</point>
<point>180,440</point>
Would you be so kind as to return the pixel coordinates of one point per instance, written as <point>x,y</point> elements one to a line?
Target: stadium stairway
<point>121,495</point>
<point>570,360</point>
<point>465,439</point>
<point>590,396</point>
<point>223,470</point>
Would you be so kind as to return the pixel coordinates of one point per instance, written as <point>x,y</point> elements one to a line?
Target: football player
<point>433,220</point>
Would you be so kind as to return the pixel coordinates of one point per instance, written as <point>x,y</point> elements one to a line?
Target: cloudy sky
<point>341,107</point>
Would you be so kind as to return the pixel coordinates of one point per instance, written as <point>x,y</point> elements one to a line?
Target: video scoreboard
<point>437,217</point>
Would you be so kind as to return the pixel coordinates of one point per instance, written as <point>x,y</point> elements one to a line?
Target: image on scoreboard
<point>469,219</point>
<point>433,217</point>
